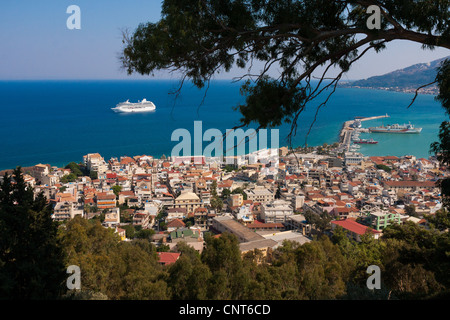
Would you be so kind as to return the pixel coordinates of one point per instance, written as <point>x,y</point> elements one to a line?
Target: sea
<point>57,122</point>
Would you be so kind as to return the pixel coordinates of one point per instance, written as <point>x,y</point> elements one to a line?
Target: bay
<point>57,122</point>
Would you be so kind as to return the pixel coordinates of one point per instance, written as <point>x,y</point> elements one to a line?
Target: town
<point>261,203</point>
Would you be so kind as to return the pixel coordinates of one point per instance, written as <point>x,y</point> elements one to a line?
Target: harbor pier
<point>345,136</point>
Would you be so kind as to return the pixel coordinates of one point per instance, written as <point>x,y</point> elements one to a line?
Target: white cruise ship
<point>140,106</point>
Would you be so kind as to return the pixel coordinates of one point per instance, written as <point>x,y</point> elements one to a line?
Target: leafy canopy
<point>202,37</point>
<point>199,38</point>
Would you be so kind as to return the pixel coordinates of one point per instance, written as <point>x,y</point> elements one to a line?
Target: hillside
<point>404,80</point>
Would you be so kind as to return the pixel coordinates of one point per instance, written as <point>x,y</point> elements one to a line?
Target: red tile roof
<point>225,184</point>
<point>127,193</point>
<point>176,223</point>
<point>127,160</point>
<point>102,196</point>
<point>167,258</point>
<point>353,226</point>
<point>410,183</point>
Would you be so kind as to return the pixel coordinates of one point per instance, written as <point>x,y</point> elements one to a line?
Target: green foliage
<point>189,221</point>
<point>71,177</point>
<point>34,253</point>
<point>320,221</point>
<point>75,168</point>
<point>214,188</point>
<point>163,248</point>
<point>416,261</point>
<point>130,231</point>
<point>270,103</point>
<point>162,214</point>
<point>441,148</point>
<point>93,175</point>
<point>188,275</point>
<point>278,193</point>
<point>223,258</point>
<point>84,295</point>
<point>229,168</point>
<point>117,190</point>
<point>226,193</point>
<point>384,167</point>
<point>201,38</point>
<point>216,203</point>
<point>410,210</point>
<point>442,151</point>
<point>443,79</point>
<point>440,220</point>
<point>31,257</point>
<point>241,191</point>
<point>163,225</point>
<point>116,269</point>
<point>125,215</point>
<point>146,234</point>
<point>322,270</point>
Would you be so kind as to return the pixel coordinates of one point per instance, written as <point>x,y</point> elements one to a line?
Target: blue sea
<point>56,122</point>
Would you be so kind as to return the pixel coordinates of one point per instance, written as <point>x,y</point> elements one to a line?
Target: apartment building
<point>381,219</point>
<point>66,211</point>
<point>276,211</point>
<point>112,217</point>
<point>188,200</point>
<point>105,200</point>
<point>95,162</point>
<point>260,194</point>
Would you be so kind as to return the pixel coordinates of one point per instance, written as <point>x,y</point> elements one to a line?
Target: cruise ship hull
<point>418,130</point>
<point>128,107</point>
<point>129,110</point>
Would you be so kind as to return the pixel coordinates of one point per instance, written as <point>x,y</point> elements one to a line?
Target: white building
<point>66,211</point>
<point>264,156</point>
<point>95,162</point>
<point>112,217</point>
<point>245,214</point>
<point>277,211</point>
<point>260,194</point>
<point>353,158</point>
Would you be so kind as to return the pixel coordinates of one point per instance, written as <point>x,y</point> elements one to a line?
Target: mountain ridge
<point>408,79</point>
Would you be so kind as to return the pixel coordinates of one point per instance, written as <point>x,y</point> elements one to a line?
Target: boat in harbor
<point>365,141</point>
<point>140,106</point>
<point>357,124</point>
<point>396,128</point>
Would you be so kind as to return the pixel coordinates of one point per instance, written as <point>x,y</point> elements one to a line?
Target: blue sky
<point>36,44</point>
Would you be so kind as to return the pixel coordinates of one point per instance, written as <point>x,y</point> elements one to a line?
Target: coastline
<point>51,124</point>
<point>424,91</point>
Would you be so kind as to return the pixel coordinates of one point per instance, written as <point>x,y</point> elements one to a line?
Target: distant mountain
<point>404,80</point>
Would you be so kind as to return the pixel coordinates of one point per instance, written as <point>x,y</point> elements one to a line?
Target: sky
<point>37,45</point>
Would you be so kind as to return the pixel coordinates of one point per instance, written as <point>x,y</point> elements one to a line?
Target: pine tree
<point>31,257</point>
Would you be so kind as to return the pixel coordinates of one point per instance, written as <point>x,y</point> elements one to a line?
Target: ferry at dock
<point>396,128</point>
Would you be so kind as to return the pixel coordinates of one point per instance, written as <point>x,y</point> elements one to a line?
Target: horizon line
<point>125,79</point>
